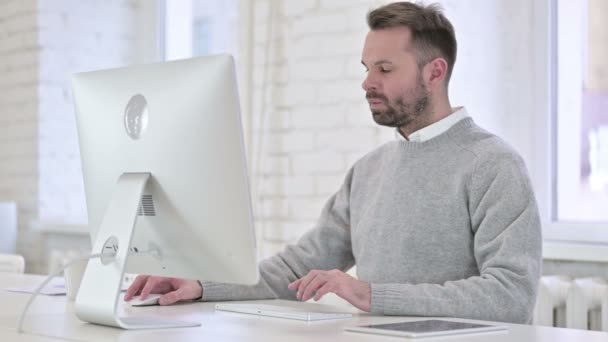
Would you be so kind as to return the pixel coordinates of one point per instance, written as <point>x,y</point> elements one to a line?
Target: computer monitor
<point>165,180</point>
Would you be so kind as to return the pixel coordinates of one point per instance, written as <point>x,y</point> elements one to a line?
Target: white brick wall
<point>74,37</point>
<point>18,113</point>
<point>314,125</point>
<point>41,44</point>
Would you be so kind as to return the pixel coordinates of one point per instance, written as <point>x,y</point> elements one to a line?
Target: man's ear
<point>436,72</point>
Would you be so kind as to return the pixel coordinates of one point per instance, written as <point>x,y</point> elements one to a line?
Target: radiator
<point>580,303</point>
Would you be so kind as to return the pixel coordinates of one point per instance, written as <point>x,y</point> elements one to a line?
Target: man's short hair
<point>432,33</point>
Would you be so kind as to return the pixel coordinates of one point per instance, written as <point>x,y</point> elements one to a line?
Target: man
<point>441,222</point>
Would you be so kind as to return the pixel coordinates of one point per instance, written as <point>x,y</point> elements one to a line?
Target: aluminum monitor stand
<point>99,294</point>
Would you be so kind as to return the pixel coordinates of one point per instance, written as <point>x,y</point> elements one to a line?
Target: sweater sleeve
<point>326,247</point>
<point>507,248</point>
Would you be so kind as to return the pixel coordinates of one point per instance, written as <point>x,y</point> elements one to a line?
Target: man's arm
<point>326,247</point>
<point>507,247</point>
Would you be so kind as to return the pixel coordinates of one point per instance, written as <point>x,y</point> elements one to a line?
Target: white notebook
<point>281,312</point>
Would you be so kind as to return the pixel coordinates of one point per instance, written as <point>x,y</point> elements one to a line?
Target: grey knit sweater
<point>444,227</point>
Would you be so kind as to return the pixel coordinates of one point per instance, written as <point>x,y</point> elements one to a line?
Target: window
<point>581,106</point>
<point>196,28</point>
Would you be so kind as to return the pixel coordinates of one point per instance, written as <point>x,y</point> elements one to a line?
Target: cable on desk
<point>49,278</point>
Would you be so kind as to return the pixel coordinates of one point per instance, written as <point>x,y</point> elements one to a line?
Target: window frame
<point>563,240</point>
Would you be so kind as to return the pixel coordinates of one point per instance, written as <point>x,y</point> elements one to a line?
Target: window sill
<point>575,251</point>
<point>65,229</point>
<point>575,241</point>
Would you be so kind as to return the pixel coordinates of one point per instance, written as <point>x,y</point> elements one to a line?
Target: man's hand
<point>174,289</point>
<point>319,283</point>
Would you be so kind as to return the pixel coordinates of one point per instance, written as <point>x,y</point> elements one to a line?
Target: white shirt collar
<point>436,128</point>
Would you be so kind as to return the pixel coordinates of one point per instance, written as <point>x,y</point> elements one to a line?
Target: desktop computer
<point>165,179</point>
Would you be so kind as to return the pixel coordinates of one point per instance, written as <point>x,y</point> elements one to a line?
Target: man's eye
<point>384,71</point>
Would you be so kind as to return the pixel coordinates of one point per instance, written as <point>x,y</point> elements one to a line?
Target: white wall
<point>316,122</point>
<point>73,36</point>
<point>19,59</point>
<point>41,44</point>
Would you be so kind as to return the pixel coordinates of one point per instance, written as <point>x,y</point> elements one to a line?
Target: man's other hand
<point>318,283</point>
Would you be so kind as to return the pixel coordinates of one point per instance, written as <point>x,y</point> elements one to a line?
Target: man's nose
<point>369,84</point>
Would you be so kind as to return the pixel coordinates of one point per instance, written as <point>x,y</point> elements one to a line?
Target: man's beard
<point>400,113</point>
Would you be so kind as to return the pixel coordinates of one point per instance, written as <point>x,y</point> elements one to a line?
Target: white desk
<point>52,319</point>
